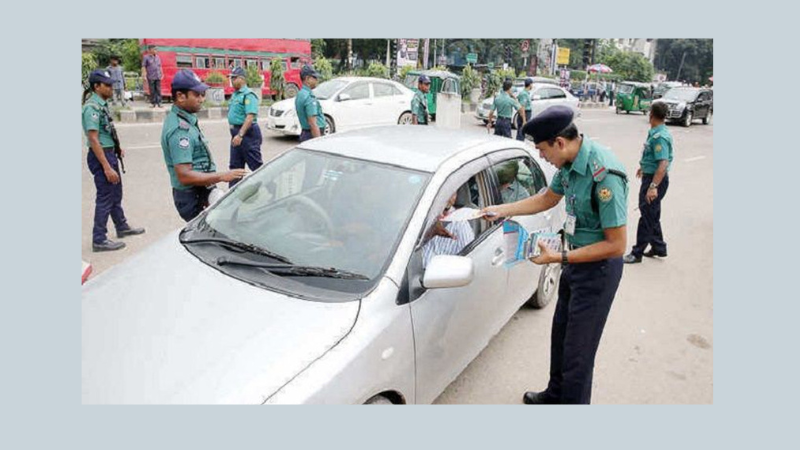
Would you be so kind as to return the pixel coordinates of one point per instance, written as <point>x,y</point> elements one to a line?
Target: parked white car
<point>316,280</point>
<point>348,103</point>
<point>543,96</point>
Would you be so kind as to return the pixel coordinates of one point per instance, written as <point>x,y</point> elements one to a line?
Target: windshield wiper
<point>250,248</point>
<point>289,269</point>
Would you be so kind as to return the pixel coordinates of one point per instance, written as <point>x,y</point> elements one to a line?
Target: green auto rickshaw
<point>441,81</point>
<point>633,96</point>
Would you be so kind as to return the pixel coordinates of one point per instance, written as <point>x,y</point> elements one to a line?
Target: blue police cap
<point>185,79</point>
<point>100,76</point>
<point>309,71</point>
<point>238,72</point>
<point>424,79</point>
<point>549,123</point>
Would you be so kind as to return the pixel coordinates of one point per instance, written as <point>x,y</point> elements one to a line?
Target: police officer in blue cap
<point>505,104</point>
<point>103,162</point>
<point>419,103</point>
<point>242,115</point>
<point>524,99</point>
<point>309,111</point>
<point>187,153</point>
<point>595,186</point>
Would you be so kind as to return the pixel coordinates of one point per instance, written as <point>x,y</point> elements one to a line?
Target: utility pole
<point>678,77</point>
<point>435,48</point>
<point>349,54</point>
<point>388,61</point>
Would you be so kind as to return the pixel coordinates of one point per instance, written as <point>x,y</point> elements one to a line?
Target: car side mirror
<point>344,97</point>
<point>448,271</point>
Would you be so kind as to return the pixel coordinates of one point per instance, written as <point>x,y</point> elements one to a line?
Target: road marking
<point>696,158</point>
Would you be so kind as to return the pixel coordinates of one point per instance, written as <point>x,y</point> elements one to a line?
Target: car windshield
<point>625,88</point>
<point>411,81</point>
<point>327,89</point>
<point>322,210</point>
<point>684,95</point>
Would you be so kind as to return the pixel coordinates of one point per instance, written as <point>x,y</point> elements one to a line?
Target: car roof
<point>422,148</point>
<point>351,79</point>
<point>434,73</point>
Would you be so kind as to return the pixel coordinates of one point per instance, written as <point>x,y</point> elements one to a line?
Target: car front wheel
<point>378,400</point>
<point>687,119</point>
<point>405,119</point>
<point>547,290</point>
<point>330,126</point>
<point>707,119</point>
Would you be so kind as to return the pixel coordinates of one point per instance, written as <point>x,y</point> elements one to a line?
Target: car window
<point>382,90</point>
<point>396,91</point>
<point>517,179</point>
<point>450,85</point>
<point>357,91</point>
<point>542,93</point>
<point>555,93</point>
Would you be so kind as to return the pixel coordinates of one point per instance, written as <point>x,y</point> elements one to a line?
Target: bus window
<point>296,64</point>
<point>252,63</point>
<point>201,62</point>
<point>183,61</point>
<point>219,63</point>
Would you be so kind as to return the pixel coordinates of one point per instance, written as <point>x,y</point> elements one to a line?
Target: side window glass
<point>358,92</point>
<point>382,90</point>
<point>514,180</point>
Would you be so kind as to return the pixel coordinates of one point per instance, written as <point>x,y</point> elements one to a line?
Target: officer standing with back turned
<point>594,184</point>
<point>245,135</point>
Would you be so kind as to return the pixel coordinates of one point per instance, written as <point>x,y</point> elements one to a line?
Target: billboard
<point>563,57</point>
<point>407,52</point>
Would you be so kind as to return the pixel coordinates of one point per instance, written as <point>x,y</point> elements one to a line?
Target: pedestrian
<point>152,74</point>
<point>505,106</point>
<point>191,168</point>
<point>611,93</point>
<point>419,103</point>
<point>242,117</point>
<point>119,81</point>
<point>524,99</point>
<point>104,164</point>
<point>602,90</point>
<point>593,182</point>
<point>653,169</point>
<point>309,111</point>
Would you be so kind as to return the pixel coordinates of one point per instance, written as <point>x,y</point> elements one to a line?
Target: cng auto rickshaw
<point>441,81</point>
<point>632,96</point>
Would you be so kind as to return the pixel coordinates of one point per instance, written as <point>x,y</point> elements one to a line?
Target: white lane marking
<point>696,158</point>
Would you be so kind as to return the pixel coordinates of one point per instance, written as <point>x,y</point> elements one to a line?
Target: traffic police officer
<point>242,117</point>
<point>595,186</point>
<point>653,170</point>
<point>419,103</point>
<point>505,105</point>
<point>309,111</point>
<point>524,99</point>
<point>192,172</point>
<point>103,163</point>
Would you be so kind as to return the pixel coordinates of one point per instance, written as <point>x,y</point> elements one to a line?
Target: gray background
<point>755,320</point>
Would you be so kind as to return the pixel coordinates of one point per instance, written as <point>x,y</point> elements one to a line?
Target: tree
<point>377,70</point>
<point>698,62</point>
<point>276,78</point>
<point>126,49</point>
<point>88,64</point>
<point>317,48</point>
<point>324,67</point>
<point>629,65</point>
<point>469,80</point>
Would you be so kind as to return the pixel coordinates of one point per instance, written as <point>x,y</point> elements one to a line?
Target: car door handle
<point>499,257</point>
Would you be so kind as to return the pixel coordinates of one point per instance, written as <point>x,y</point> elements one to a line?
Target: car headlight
<point>680,106</point>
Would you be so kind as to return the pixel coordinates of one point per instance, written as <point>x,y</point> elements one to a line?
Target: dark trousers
<point>649,230</point>
<point>611,100</point>
<point>306,134</point>
<point>249,151</point>
<point>520,134</point>
<point>155,92</point>
<point>584,300</point>
<point>190,203</point>
<point>108,201</point>
<point>502,127</point>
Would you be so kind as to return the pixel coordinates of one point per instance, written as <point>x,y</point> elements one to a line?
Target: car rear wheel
<point>687,119</point>
<point>405,119</point>
<point>547,289</point>
<point>378,400</point>
<point>707,119</point>
<point>330,126</point>
<point>291,91</point>
<point>485,122</point>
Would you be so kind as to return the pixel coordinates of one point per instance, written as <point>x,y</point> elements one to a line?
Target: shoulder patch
<point>95,117</point>
<point>598,170</point>
<point>183,125</point>
<point>658,148</point>
<point>183,142</point>
<point>605,194</point>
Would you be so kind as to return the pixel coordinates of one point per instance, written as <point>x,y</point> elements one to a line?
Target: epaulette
<point>183,125</point>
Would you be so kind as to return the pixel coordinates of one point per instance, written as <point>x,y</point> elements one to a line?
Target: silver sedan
<point>330,275</point>
<point>543,96</point>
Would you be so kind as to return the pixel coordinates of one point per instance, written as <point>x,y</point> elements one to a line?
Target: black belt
<point>504,118</point>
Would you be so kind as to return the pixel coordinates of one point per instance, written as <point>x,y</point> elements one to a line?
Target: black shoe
<point>651,253</point>
<point>537,398</point>
<point>630,258</point>
<point>107,246</point>
<point>129,232</point>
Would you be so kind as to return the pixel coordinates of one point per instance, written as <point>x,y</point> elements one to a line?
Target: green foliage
<point>276,80</point>
<point>493,84</point>
<point>698,64</point>
<point>376,69</point>
<point>507,73</point>
<point>629,66</point>
<point>253,77</point>
<point>404,71</point>
<point>469,80</point>
<point>126,49</point>
<point>215,77</point>
<point>88,64</point>
<point>317,48</point>
<point>324,67</point>
<point>577,75</point>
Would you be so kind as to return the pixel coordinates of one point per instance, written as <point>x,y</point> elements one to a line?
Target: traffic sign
<point>472,58</point>
<point>524,46</point>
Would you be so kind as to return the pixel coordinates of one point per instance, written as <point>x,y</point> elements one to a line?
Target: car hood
<point>671,102</point>
<point>283,105</point>
<point>166,328</point>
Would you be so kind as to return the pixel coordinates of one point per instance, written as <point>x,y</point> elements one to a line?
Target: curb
<point>148,115</point>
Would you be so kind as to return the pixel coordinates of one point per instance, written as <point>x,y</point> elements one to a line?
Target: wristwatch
<point>564,260</point>
<point>653,186</point>
<point>242,136</point>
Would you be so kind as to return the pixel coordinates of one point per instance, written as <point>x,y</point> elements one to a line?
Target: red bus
<point>222,55</point>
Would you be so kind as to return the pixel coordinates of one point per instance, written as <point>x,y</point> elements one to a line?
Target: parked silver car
<point>543,96</point>
<point>315,279</point>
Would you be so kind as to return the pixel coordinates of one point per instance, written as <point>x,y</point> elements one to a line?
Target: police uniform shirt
<point>505,105</point>
<point>586,177</point>
<point>243,102</point>
<point>306,104</point>
<point>524,99</point>
<point>419,106</point>
<point>95,119</point>
<point>657,148</point>
<point>183,143</point>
